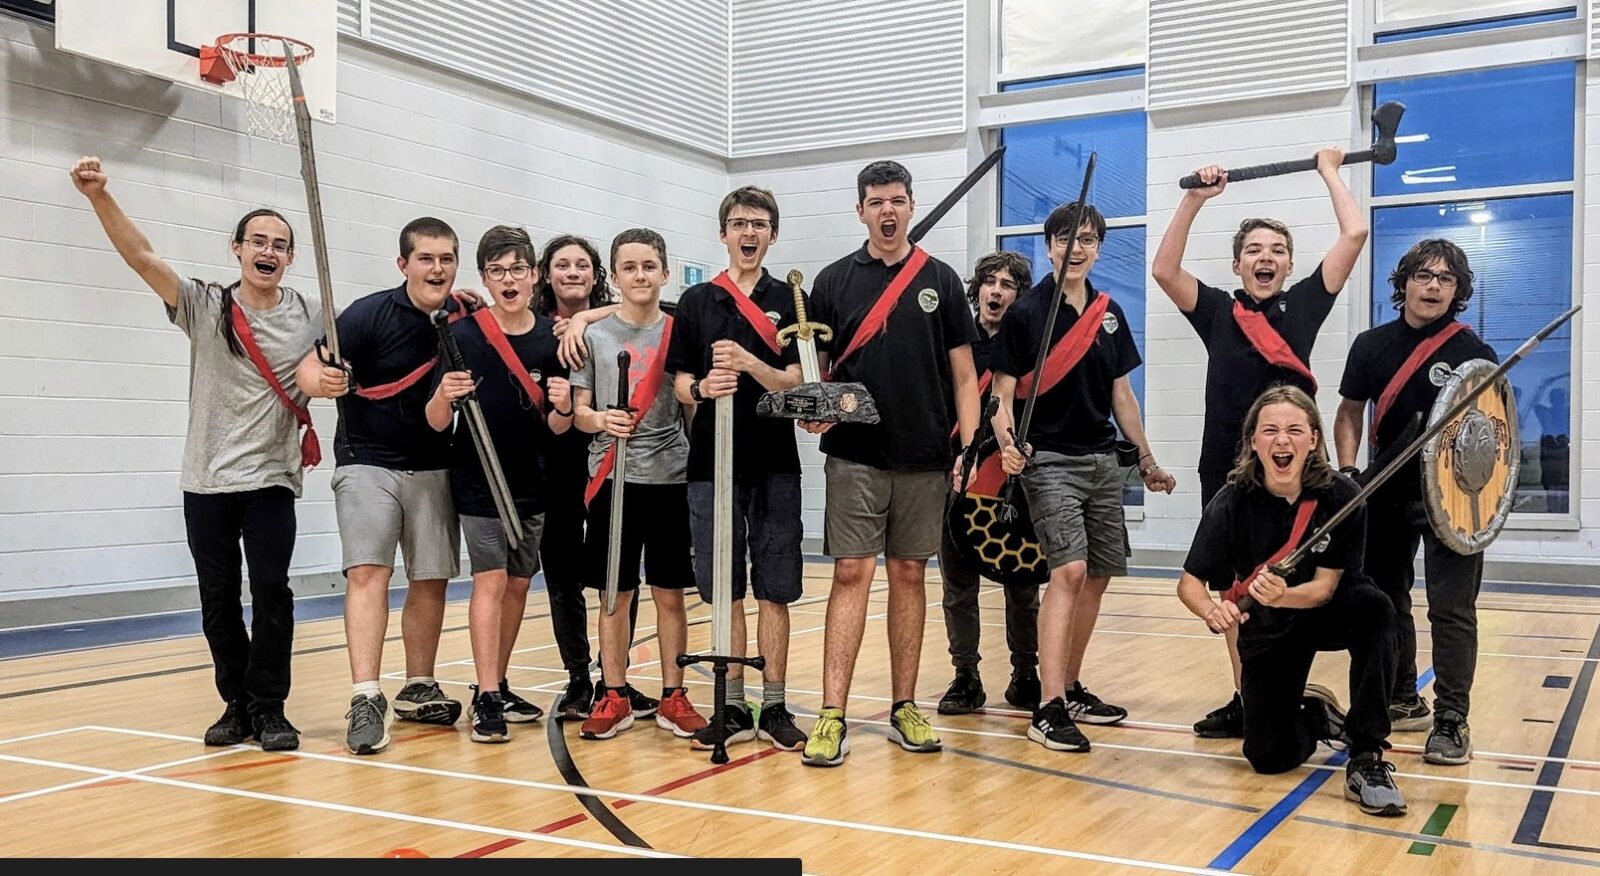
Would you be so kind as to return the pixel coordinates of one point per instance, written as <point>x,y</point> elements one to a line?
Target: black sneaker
<point>1053,728</point>
<point>1224,723</point>
<point>1090,709</point>
<point>965,694</point>
<point>1409,716</point>
<point>776,726</point>
<point>576,699</point>
<point>643,706</point>
<point>230,729</point>
<point>1450,743</point>
<point>738,724</point>
<point>276,733</point>
<point>1368,783</point>
<point>517,709</point>
<point>1329,716</point>
<point>488,717</point>
<point>426,702</point>
<point>1023,691</point>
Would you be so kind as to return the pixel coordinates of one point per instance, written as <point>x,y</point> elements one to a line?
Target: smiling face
<point>747,233</point>
<point>1430,292</point>
<point>572,276</point>
<point>1264,263</point>
<point>638,271</point>
<point>1085,252</point>
<point>506,289</point>
<point>430,271</point>
<point>267,250</point>
<point>1283,440</point>
<point>886,211</point>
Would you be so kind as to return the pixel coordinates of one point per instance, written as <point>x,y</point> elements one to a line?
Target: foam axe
<point>1385,122</point>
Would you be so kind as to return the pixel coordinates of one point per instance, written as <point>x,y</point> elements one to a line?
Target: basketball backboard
<point>163,37</point>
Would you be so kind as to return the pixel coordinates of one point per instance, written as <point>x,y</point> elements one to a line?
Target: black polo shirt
<point>1375,357</point>
<point>1074,417</point>
<point>1236,374</point>
<point>1244,526</point>
<point>516,424</point>
<point>982,349</point>
<point>906,368</point>
<point>706,314</point>
<point>384,337</point>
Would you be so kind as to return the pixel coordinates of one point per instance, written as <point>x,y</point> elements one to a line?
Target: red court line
<point>703,774</point>
<point>271,761</point>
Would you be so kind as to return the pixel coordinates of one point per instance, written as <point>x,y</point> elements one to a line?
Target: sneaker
<point>737,722</point>
<point>1052,727</point>
<point>426,703</point>
<point>1409,716</point>
<point>575,700</point>
<point>1368,783</point>
<point>609,716</point>
<point>230,729</point>
<point>517,709</point>
<point>489,717</point>
<point>964,696</point>
<point>776,726</point>
<point>827,745</point>
<point>677,714</point>
<point>1224,723</point>
<point>909,729</point>
<point>1330,716</point>
<point>276,733</point>
<point>370,717</point>
<point>643,706</point>
<point>1090,709</point>
<point>1450,743</point>
<point>1023,691</point>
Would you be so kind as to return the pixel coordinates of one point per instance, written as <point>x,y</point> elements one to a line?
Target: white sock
<point>369,689</point>
<point>419,679</point>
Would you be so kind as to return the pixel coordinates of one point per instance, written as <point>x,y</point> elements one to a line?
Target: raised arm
<point>1167,267</point>
<point>1341,257</point>
<point>135,249</point>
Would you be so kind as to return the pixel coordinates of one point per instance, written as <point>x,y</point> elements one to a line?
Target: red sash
<point>647,387</point>
<point>1302,521</point>
<point>1268,342</point>
<point>751,313</point>
<point>496,337</point>
<point>1420,355</point>
<point>984,380</point>
<point>394,388</point>
<point>310,450</point>
<point>1063,357</point>
<point>878,317</point>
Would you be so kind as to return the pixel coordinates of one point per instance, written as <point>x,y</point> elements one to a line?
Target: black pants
<point>1394,530</point>
<point>1211,483</point>
<point>561,556</point>
<point>1278,734</point>
<point>962,620</point>
<point>252,668</point>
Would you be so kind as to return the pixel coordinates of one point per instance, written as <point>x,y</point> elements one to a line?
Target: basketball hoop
<point>259,62</point>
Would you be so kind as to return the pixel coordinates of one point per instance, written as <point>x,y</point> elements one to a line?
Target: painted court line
<point>95,780</point>
<point>1445,841</point>
<point>45,735</point>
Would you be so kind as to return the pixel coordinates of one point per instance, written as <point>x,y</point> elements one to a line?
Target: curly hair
<point>993,263</point>
<point>1246,472</point>
<point>1419,256</point>
<point>544,295</point>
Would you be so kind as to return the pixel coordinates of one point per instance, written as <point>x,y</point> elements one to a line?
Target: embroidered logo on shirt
<point>1439,374</point>
<point>1283,305</point>
<point>536,375</point>
<point>928,300</point>
<point>1322,544</point>
<point>773,315</point>
<point>1109,323</point>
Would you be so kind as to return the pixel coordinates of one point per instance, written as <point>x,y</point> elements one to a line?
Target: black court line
<point>1445,841</point>
<point>1538,809</point>
<point>596,807</point>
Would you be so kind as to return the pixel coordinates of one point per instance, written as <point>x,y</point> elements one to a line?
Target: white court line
<point>94,780</point>
<point>44,735</point>
<point>548,839</point>
<point>636,798</point>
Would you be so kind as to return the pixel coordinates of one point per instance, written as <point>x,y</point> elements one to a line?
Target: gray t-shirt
<point>241,437</point>
<point>658,452</point>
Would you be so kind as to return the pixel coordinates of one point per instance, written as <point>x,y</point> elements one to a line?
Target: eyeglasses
<point>261,244</point>
<point>1085,241</point>
<point>739,225</point>
<point>519,271</point>
<point>1423,276</point>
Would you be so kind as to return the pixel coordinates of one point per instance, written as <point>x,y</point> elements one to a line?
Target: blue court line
<point>1537,812</point>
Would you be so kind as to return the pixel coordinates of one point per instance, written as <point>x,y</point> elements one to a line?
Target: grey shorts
<point>488,550</point>
<point>379,509</point>
<point>872,511</point>
<point>1076,502</point>
<point>766,523</point>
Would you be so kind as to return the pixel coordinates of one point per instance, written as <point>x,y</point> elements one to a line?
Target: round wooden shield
<point>1469,468</point>
<point>1002,546</point>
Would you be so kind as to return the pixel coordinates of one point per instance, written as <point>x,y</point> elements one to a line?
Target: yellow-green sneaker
<point>827,745</point>
<point>910,730</point>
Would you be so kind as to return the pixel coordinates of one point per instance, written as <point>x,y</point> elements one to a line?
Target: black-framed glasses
<point>1085,241</point>
<point>519,271</point>
<point>1423,276</point>
<point>738,226</point>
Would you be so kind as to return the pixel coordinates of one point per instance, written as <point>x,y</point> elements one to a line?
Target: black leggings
<point>561,555</point>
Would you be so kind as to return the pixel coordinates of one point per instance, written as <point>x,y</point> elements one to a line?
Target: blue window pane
<point>1119,271</point>
<point>1488,128</point>
<point>1520,250</point>
<point>1072,79</point>
<point>1469,26</point>
<point>1043,166</point>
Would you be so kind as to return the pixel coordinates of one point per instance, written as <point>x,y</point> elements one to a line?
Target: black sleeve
<point>1208,553</point>
<point>1208,299</point>
<point>1309,301</point>
<point>683,350</point>
<point>1127,352</point>
<point>1011,346</point>
<point>1348,542</point>
<point>1356,384</point>
<point>1487,352</point>
<point>352,326</point>
<point>954,312</point>
<point>789,354</point>
<point>821,308</point>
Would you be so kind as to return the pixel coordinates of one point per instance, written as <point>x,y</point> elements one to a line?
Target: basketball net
<point>259,62</point>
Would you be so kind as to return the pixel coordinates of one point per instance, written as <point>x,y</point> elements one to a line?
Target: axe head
<point>1385,123</point>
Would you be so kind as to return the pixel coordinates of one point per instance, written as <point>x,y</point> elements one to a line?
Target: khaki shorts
<point>379,509</point>
<point>872,511</point>
<point>1076,503</point>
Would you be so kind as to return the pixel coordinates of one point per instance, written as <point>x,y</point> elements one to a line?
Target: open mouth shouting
<point>887,228</point>
<point>264,268</point>
<point>1282,462</point>
<point>1264,276</point>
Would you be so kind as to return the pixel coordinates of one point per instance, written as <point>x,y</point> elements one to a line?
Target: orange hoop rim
<point>303,51</point>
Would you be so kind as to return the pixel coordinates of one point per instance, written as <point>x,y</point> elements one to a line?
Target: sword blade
<point>308,174</point>
<point>722,558</point>
<point>614,533</point>
<point>919,230</point>
<point>809,372</point>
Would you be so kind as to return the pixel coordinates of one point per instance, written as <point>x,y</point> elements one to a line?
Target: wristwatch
<point>694,392</point>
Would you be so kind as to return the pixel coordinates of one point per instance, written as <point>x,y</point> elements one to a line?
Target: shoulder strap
<point>644,392</point>
<point>310,449</point>
<point>497,339</point>
<point>1266,341</point>
<point>1302,522</point>
<point>1071,349</point>
<point>878,317</point>
<point>750,311</point>
<point>1418,357</point>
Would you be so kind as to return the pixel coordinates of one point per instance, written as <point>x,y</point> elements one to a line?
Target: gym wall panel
<point>1209,51</point>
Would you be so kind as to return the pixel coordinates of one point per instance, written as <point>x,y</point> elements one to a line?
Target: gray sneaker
<point>369,724</point>
<point>1330,716</point>
<point>1410,716</point>
<point>1450,743</point>
<point>425,703</point>
<point>1368,783</point>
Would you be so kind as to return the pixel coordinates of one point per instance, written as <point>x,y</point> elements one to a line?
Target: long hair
<point>993,263</point>
<point>544,294</point>
<point>225,312</point>
<point>1247,469</point>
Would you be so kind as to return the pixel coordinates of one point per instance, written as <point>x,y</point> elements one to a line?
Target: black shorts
<point>655,523</point>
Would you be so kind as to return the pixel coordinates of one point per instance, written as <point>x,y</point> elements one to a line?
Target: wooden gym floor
<point>100,755</point>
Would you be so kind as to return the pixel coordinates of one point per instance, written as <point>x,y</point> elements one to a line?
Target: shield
<point>1469,469</point>
<point>1001,550</point>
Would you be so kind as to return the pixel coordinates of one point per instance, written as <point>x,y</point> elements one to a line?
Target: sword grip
<point>624,366</point>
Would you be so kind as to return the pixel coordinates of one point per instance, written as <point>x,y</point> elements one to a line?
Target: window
<point>1470,26</point>
<point>1519,242</point>
<point>1072,79</point>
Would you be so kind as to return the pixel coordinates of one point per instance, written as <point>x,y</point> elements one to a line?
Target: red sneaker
<point>610,715</point>
<point>678,715</point>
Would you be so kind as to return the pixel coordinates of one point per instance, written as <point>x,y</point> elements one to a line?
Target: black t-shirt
<point>516,424</point>
<point>1244,526</point>
<point>1236,374</point>
<point>706,314</point>
<point>1376,356</point>
<point>385,337</point>
<point>982,350</point>
<point>1074,417</point>
<point>906,368</point>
